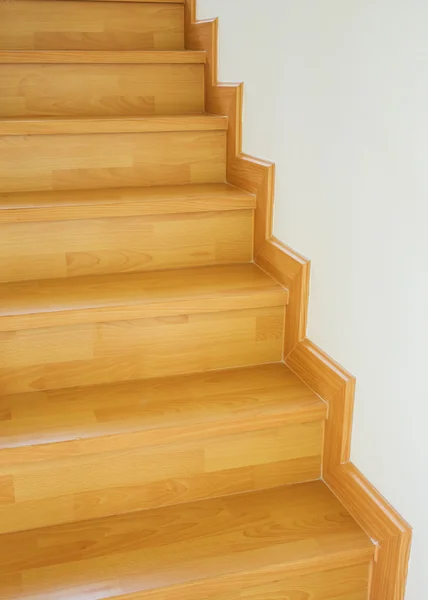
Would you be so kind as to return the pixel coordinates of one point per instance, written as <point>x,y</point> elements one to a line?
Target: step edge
<point>103,57</point>
<point>99,125</point>
<point>159,436</point>
<point>330,562</point>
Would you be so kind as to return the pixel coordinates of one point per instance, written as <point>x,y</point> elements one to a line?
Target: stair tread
<point>65,205</point>
<point>158,293</point>
<point>122,124</point>
<point>159,410</point>
<point>102,56</point>
<point>289,529</point>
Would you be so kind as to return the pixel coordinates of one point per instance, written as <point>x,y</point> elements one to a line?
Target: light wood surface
<point>122,296</point>
<point>74,125</point>
<point>65,423</point>
<point>100,90</point>
<point>122,202</point>
<point>88,354</point>
<point>382,523</point>
<point>283,531</point>
<point>75,454</point>
<point>47,25</point>
<point>60,162</point>
<point>101,57</point>
<point>55,249</point>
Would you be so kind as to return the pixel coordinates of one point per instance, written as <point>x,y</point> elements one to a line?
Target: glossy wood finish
<point>123,202</point>
<point>48,25</point>
<point>77,454</point>
<point>75,125</point>
<point>61,162</point>
<point>88,354</point>
<point>382,523</point>
<point>55,249</point>
<point>156,411</point>
<point>100,90</point>
<point>283,532</point>
<point>253,175</point>
<point>101,299</point>
<point>101,57</point>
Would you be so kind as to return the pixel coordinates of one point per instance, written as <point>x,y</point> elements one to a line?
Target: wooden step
<point>48,235</point>
<point>123,124</point>
<point>31,163</point>
<point>55,302</point>
<point>75,454</point>
<point>108,57</point>
<point>92,330</point>
<point>125,202</point>
<point>275,543</point>
<point>62,90</point>
<point>107,25</point>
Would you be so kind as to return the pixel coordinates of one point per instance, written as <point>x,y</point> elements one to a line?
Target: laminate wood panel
<point>106,57</point>
<point>96,299</point>
<point>78,355</point>
<point>122,202</point>
<point>295,530</point>
<point>47,25</point>
<point>61,162</point>
<point>56,249</point>
<point>109,483</point>
<point>98,90</point>
<point>123,124</point>
<point>54,424</point>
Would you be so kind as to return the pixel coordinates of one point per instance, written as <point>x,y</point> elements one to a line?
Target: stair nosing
<point>148,201</point>
<point>21,126</point>
<point>102,57</point>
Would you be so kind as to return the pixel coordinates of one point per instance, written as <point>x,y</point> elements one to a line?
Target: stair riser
<point>100,90</point>
<point>94,161</point>
<point>46,25</point>
<point>86,354</point>
<point>109,483</point>
<point>59,249</point>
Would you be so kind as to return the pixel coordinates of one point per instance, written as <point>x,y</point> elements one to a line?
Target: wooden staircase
<point>153,443</point>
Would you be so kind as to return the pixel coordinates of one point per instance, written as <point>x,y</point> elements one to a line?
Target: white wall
<point>337,96</point>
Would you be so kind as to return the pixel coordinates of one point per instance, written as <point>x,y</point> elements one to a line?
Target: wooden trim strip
<point>380,521</point>
<point>101,57</point>
<point>123,124</point>
<point>253,175</point>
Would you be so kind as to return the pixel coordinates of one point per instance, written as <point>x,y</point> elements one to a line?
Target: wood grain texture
<point>102,299</point>
<point>102,57</point>
<point>89,354</point>
<point>61,162</point>
<point>122,202</point>
<point>47,25</point>
<point>100,90</point>
<point>92,125</point>
<point>66,423</point>
<point>253,175</point>
<point>55,249</point>
<point>380,521</point>
<point>91,486</point>
<point>291,531</point>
